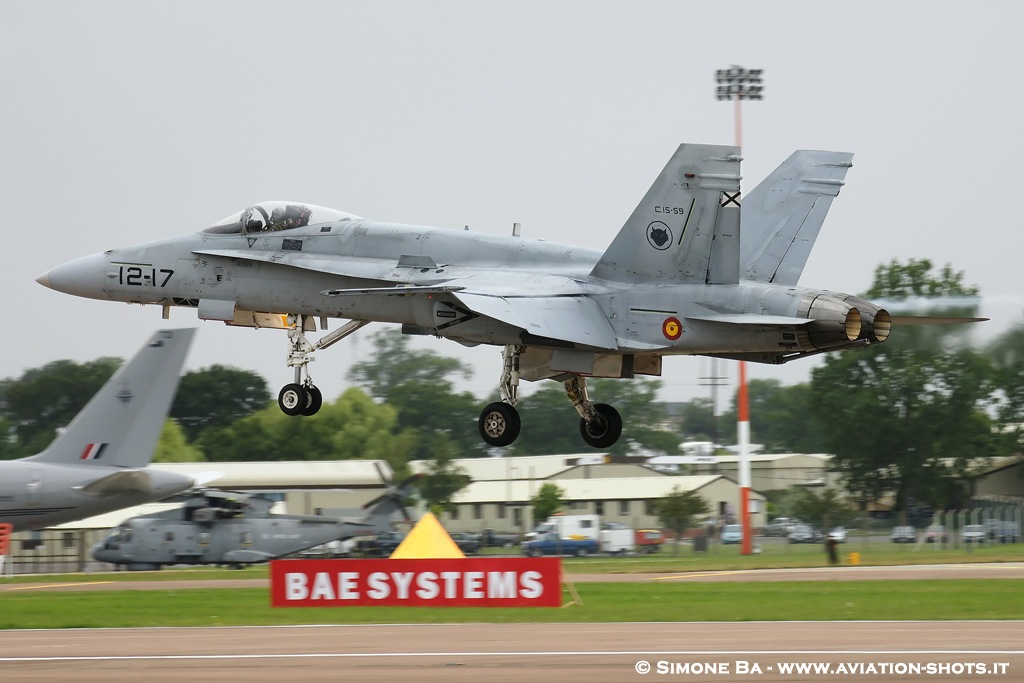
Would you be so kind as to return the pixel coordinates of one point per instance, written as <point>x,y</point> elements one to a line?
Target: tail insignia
<point>93,451</point>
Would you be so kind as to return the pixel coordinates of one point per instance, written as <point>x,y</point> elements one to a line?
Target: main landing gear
<point>600,423</point>
<point>302,397</point>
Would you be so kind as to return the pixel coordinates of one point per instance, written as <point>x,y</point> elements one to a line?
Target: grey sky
<point>123,122</point>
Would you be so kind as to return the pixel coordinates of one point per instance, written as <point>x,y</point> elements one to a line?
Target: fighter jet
<point>234,529</point>
<point>676,280</point>
<point>99,462</point>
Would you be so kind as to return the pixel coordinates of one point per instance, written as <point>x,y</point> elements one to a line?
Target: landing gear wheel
<point>499,424</point>
<point>292,399</point>
<point>605,429</point>
<point>314,399</point>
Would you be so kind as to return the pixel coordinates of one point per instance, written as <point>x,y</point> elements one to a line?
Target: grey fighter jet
<point>99,462</point>
<point>234,529</point>
<point>676,280</point>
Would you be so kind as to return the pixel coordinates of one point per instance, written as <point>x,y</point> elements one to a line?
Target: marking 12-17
<point>142,275</point>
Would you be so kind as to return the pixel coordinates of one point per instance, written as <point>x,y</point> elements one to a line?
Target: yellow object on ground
<point>427,541</point>
<point>854,559</point>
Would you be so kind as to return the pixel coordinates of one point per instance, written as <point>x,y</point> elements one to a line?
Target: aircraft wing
<point>575,319</point>
<point>118,482</point>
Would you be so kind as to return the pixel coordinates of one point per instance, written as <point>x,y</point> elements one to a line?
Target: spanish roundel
<point>672,329</point>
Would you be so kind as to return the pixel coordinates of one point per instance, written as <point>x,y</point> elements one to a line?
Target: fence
<point>999,524</point>
<point>52,551</point>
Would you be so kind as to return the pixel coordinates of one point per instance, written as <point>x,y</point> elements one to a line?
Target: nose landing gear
<point>302,397</point>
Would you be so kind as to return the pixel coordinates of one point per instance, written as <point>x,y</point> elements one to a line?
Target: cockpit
<point>117,536</point>
<point>274,216</point>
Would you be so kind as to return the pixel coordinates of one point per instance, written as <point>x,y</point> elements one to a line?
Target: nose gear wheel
<point>499,424</point>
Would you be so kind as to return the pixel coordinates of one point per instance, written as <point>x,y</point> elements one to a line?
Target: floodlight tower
<point>737,83</point>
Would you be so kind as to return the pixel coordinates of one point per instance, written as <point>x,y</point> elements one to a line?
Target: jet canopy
<point>273,216</point>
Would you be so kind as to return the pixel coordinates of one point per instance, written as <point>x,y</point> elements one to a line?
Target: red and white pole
<point>743,441</point>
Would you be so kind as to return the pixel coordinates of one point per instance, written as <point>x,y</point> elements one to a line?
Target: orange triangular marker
<point>427,541</point>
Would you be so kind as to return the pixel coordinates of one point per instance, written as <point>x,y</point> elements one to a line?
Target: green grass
<point>614,602</point>
<point>605,602</point>
<point>782,555</point>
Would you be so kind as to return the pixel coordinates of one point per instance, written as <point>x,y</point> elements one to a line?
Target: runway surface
<point>498,653</point>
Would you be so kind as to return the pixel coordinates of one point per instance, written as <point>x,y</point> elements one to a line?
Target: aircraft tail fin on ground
<point>686,228</point>
<point>784,213</point>
<point>121,424</point>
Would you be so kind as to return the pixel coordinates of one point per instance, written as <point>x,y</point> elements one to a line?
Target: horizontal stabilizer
<point>749,319</point>
<point>118,482</point>
<point>934,320</point>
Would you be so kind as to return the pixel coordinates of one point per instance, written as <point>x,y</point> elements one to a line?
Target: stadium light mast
<point>737,84</point>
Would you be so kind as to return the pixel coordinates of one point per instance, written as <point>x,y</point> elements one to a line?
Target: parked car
<point>780,526</point>
<point>381,545</point>
<point>499,539</point>
<point>468,543</point>
<point>973,533</point>
<point>838,534</point>
<point>1002,532</point>
<point>903,534</point>
<point>936,532</point>
<point>732,533</point>
<point>648,540</point>
<point>803,533</point>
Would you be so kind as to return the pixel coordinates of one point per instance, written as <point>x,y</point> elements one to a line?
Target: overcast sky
<point>125,122</point>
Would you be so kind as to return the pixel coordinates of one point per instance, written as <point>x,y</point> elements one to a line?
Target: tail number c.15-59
<point>143,275</point>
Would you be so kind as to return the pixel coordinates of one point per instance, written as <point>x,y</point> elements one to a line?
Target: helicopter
<point>235,529</point>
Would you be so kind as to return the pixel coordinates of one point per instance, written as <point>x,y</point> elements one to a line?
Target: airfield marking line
<point>57,585</point>
<point>544,653</point>
<point>697,575</point>
<point>473,624</point>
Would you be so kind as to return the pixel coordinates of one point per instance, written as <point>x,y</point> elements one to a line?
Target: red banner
<point>469,582</point>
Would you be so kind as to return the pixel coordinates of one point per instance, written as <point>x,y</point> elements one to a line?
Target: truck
<point>617,539</point>
<point>573,527</point>
<point>551,543</point>
<point>578,535</point>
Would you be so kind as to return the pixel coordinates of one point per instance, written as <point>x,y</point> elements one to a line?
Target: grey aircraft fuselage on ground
<point>677,279</point>
<point>98,464</point>
<point>235,529</point>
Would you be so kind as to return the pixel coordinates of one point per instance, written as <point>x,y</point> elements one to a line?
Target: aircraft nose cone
<point>81,277</point>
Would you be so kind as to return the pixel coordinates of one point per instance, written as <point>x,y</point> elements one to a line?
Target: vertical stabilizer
<point>121,424</point>
<point>784,213</point>
<point>685,229</point>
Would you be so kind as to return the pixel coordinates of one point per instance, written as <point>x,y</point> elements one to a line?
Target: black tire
<point>314,399</point>
<point>292,399</point>
<point>581,552</point>
<point>605,430</point>
<point>499,424</point>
